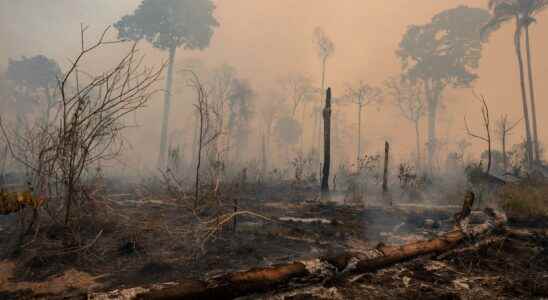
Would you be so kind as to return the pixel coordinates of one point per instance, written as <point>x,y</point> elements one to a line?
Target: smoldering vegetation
<point>271,189</point>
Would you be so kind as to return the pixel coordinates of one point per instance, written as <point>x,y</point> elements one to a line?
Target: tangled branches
<point>87,124</point>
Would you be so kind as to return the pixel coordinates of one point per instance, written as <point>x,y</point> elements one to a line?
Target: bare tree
<point>89,121</point>
<point>409,97</point>
<point>325,48</point>
<point>222,84</point>
<point>503,130</point>
<point>327,143</point>
<point>298,88</point>
<point>207,126</point>
<point>486,124</point>
<point>362,95</point>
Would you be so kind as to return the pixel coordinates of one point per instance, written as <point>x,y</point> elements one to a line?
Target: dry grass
<point>525,201</point>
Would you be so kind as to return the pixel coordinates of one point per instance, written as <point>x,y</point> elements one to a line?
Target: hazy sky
<point>266,39</point>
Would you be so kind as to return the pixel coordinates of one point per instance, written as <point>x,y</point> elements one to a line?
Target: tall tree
<point>443,53</point>
<point>327,143</point>
<point>325,48</point>
<point>523,12</point>
<point>409,97</point>
<point>240,112</point>
<point>34,78</point>
<point>362,94</point>
<point>168,25</point>
<point>269,112</point>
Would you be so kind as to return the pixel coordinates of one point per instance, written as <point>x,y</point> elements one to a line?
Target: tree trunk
<point>504,155</point>
<point>49,106</point>
<point>327,142</point>
<point>263,154</point>
<point>303,122</point>
<point>517,44</point>
<point>196,128</point>
<point>69,198</point>
<point>167,108</point>
<point>319,141</point>
<point>385,172</point>
<point>489,154</point>
<point>199,162</point>
<point>418,145</point>
<point>532,96</point>
<point>432,117</point>
<point>359,134</point>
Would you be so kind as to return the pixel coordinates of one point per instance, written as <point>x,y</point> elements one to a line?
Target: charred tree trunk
<point>385,172</point>
<point>327,142</point>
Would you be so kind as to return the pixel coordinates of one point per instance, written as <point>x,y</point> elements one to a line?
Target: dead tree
<point>385,172</point>
<point>327,142</point>
<point>207,126</point>
<point>503,130</point>
<point>89,120</point>
<point>326,48</point>
<point>487,126</point>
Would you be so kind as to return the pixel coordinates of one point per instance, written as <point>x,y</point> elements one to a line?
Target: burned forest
<point>207,149</point>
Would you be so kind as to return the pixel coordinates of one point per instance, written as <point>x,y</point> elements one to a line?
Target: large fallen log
<point>307,272</point>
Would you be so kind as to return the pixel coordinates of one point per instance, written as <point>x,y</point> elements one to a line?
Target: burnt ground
<point>141,243</point>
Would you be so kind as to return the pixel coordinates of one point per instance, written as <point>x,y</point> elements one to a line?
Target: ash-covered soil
<point>140,243</point>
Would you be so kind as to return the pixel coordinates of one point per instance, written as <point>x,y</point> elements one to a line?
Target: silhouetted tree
<point>298,89</point>
<point>327,143</point>
<point>409,97</point>
<point>523,12</point>
<point>240,113</point>
<point>362,95</point>
<point>288,130</point>
<point>486,119</point>
<point>326,48</point>
<point>222,84</point>
<point>168,25</point>
<point>33,78</point>
<point>441,53</point>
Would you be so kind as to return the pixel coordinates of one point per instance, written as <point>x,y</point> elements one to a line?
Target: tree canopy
<point>171,23</point>
<point>34,73</point>
<point>26,80</point>
<point>447,49</point>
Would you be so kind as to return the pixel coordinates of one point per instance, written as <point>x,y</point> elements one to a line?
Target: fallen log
<point>384,255</point>
<point>307,272</point>
<point>229,286</point>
